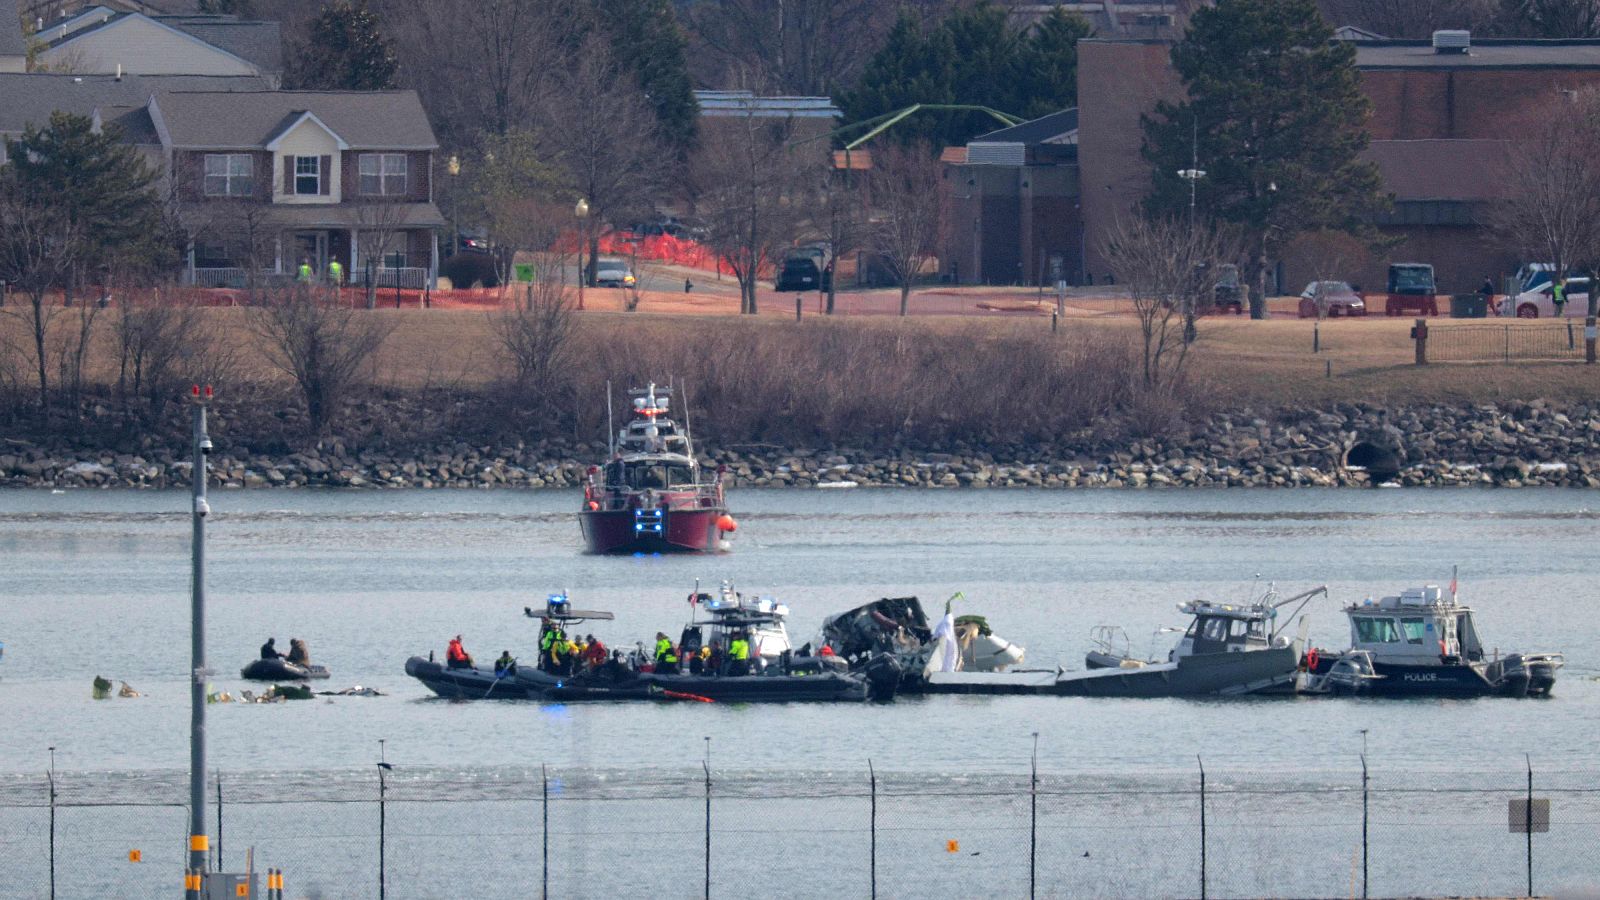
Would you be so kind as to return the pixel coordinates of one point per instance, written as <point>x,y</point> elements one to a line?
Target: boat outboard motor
<point>883,673</point>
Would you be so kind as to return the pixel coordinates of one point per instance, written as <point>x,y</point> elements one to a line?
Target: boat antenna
<point>1453,573</point>
<point>611,431</point>
<point>688,426</point>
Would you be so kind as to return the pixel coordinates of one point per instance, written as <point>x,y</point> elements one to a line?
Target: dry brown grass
<point>871,378</point>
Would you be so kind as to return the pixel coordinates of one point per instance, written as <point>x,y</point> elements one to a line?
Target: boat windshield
<point>650,475</point>
<point>1376,630</point>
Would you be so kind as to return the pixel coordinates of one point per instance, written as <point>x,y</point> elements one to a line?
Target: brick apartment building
<point>1443,127</point>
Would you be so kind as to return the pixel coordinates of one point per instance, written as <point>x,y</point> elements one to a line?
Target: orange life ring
<point>1311,660</point>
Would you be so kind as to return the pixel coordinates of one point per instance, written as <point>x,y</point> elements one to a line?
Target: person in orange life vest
<point>595,655</point>
<point>456,657</point>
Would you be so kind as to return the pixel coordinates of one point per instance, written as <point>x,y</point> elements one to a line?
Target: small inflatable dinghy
<point>281,670</point>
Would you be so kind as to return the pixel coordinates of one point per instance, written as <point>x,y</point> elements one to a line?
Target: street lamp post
<point>581,210</point>
<point>454,168</point>
<point>1193,174</point>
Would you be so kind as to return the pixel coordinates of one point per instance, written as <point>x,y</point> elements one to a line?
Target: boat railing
<point>703,495</point>
<point>1112,640</point>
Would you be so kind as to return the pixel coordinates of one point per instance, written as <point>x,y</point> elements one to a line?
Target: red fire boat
<point>650,496</point>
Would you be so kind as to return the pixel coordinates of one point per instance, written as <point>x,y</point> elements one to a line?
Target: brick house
<point>271,180</point>
<point>1442,128</point>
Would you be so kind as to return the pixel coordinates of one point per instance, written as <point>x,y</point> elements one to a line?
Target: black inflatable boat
<point>280,670</point>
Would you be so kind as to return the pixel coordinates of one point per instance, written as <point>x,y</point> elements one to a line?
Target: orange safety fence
<point>663,248</point>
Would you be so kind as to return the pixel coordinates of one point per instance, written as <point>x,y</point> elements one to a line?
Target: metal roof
<point>376,120</point>
<point>741,103</point>
<point>1054,128</point>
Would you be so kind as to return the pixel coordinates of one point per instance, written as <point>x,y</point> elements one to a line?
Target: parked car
<point>1229,294</point>
<point>1338,298</point>
<point>471,243</point>
<point>804,271</point>
<point>610,271</point>
<point>1411,289</point>
<point>1534,275</point>
<point>1539,303</point>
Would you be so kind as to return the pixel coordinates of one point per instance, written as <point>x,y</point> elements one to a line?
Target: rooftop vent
<point>1452,41</point>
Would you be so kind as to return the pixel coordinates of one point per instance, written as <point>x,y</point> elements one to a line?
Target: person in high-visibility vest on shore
<point>306,273</point>
<point>335,273</point>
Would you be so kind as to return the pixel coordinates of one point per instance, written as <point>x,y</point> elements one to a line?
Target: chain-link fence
<point>1505,342</point>
<point>1233,832</point>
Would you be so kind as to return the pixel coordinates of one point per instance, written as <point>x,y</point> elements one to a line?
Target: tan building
<point>1442,127</point>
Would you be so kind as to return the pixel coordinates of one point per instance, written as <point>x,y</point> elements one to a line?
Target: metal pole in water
<point>872,781</point>
<point>1363,819</point>
<point>52,776</point>
<point>1527,822</point>
<point>1033,819</point>
<point>1202,827</point>
<point>199,842</point>
<point>544,831</point>
<point>219,821</point>
<point>383,815</point>
<point>708,820</point>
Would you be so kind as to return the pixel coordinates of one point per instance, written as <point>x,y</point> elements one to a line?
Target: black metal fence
<point>1505,342</point>
<point>1206,832</point>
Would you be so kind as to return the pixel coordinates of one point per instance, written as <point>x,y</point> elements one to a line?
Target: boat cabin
<point>762,618</point>
<point>1422,627</point>
<point>658,471</point>
<point>1224,628</point>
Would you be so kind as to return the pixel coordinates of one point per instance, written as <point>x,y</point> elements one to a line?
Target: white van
<point>1539,303</point>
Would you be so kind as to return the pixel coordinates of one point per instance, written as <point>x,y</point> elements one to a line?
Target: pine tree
<point>100,183</point>
<point>347,51</point>
<point>974,56</point>
<point>645,36</point>
<point>1277,121</point>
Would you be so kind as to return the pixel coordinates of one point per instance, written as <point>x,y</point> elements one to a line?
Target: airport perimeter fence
<point>1208,832</point>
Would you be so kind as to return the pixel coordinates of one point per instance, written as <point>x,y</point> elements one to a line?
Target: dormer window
<point>383,174</point>
<point>307,175</point>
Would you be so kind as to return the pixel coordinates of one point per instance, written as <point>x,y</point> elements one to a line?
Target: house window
<point>307,175</point>
<point>229,175</point>
<point>383,174</point>
<point>395,259</point>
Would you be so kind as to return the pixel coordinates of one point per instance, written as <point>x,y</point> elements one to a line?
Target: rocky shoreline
<point>1533,443</point>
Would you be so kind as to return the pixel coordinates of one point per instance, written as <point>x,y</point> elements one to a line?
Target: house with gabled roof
<point>274,180</point>
<point>103,40</point>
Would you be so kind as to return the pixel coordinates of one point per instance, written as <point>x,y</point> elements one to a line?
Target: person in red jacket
<point>596,653</point>
<point>456,657</point>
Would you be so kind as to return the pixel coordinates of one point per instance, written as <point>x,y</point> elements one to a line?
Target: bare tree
<point>249,233</point>
<point>380,230</point>
<point>808,47</point>
<point>904,187</point>
<point>1167,264</point>
<point>1552,18</point>
<point>165,340</point>
<point>1555,179</point>
<point>745,184</point>
<point>600,134</point>
<point>516,191</point>
<point>840,216</point>
<point>536,333</point>
<point>39,247</point>
<point>319,342</point>
<point>1410,18</point>
<point>480,65</point>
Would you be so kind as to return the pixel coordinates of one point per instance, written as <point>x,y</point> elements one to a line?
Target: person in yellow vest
<point>739,654</point>
<point>666,655</point>
<point>335,273</point>
<point>306,273</point>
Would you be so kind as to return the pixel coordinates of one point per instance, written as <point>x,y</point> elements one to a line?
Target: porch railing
<point>411,277</point>
<point>223,277</point>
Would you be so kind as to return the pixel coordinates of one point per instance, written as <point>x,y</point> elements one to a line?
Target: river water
<point>95,582</point>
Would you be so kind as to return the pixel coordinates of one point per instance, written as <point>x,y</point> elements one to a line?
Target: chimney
<point>1456,42</point>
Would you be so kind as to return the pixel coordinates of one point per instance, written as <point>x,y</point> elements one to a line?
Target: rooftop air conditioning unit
<point>1452,41</point>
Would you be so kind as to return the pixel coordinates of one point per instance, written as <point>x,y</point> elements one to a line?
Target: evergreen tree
<point>1276,119</point>
<point>100,183</point>
<point>645,36</point>
<point>974,56</point>
<point>347,51</point>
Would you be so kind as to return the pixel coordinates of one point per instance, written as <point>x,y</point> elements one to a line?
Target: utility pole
<point>199,842</point>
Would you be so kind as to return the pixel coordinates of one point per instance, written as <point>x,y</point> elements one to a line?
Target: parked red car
<point>1338,299</point>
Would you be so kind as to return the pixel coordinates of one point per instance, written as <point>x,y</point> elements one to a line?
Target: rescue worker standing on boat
<point>551,644</point>
<point>666,656</point>
<point>739,653</point>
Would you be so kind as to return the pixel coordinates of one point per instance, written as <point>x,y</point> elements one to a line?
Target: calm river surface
<point>95,582</point>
